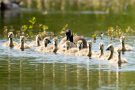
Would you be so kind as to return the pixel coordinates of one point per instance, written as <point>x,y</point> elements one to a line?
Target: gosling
<point>10,43</point>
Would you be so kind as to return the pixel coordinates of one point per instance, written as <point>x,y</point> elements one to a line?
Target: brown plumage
<point>76,39</point>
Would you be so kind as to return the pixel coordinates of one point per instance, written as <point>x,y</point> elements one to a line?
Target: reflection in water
<point>59,76</point>
<point>20,64</point>
<point>88,75</point>
<point>53,75</point>
<point>65,75</point>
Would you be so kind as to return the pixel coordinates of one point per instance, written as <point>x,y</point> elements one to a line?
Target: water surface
<point>30,70</point>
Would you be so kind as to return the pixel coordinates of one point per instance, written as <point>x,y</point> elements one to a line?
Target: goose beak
<point>108,49</point>
<point>49,41</point>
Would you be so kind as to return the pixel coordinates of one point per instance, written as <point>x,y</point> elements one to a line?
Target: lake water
<point>30,70</point>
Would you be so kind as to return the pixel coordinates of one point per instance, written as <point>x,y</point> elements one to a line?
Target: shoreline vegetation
<point>33,27</point>
<point>111,6</point>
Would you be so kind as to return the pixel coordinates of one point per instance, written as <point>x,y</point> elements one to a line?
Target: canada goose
<point>22,44</point>
<point>124,47</point>
<point>115,58</point>
<point>73,50</point>
<point>85,51</point>
<point>75,40</point>
<point>46,41</point>
<point>44,45</point>
<point>37,41</point>
<point>52,48</point>
<point>65,46</point>
<point>100,54</point>
<point>10,43</point>
<point>68,34</point>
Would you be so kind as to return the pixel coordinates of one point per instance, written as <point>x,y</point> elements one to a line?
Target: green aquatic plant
<point>43,27</point>
<point>110,32</point>
<point>34,28</point>
<point>94,36</point>
<point>118,32</point>
<point>63,29</point>
<point>114,32</point>
<point>33,20</point>
<point>24,28</point>
<point>129,30</point>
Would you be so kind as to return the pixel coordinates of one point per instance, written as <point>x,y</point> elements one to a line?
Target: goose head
<point>68,34</point>
<point>38,39</point>
<point>10,35</point>
<point>46,41</point>
<point>90,43</point>
<point>22,39</point>
<point>122,39</point>
<point>111,49</point>
<point>101,46</point>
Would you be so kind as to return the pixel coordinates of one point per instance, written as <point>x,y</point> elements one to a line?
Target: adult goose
<point>75,40</point>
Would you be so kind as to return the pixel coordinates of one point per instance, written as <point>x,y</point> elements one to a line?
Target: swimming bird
<point>85,51</point>
<point>75,40</point>
<point>22,44</point>
<point>124,47</point>
<point>37,42</point>
<point>51,48</point>
<point>115,57</point>
<point>65,46</point>
<point>73,50</point>
<point>44,45</point>
<point>10,42</point>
